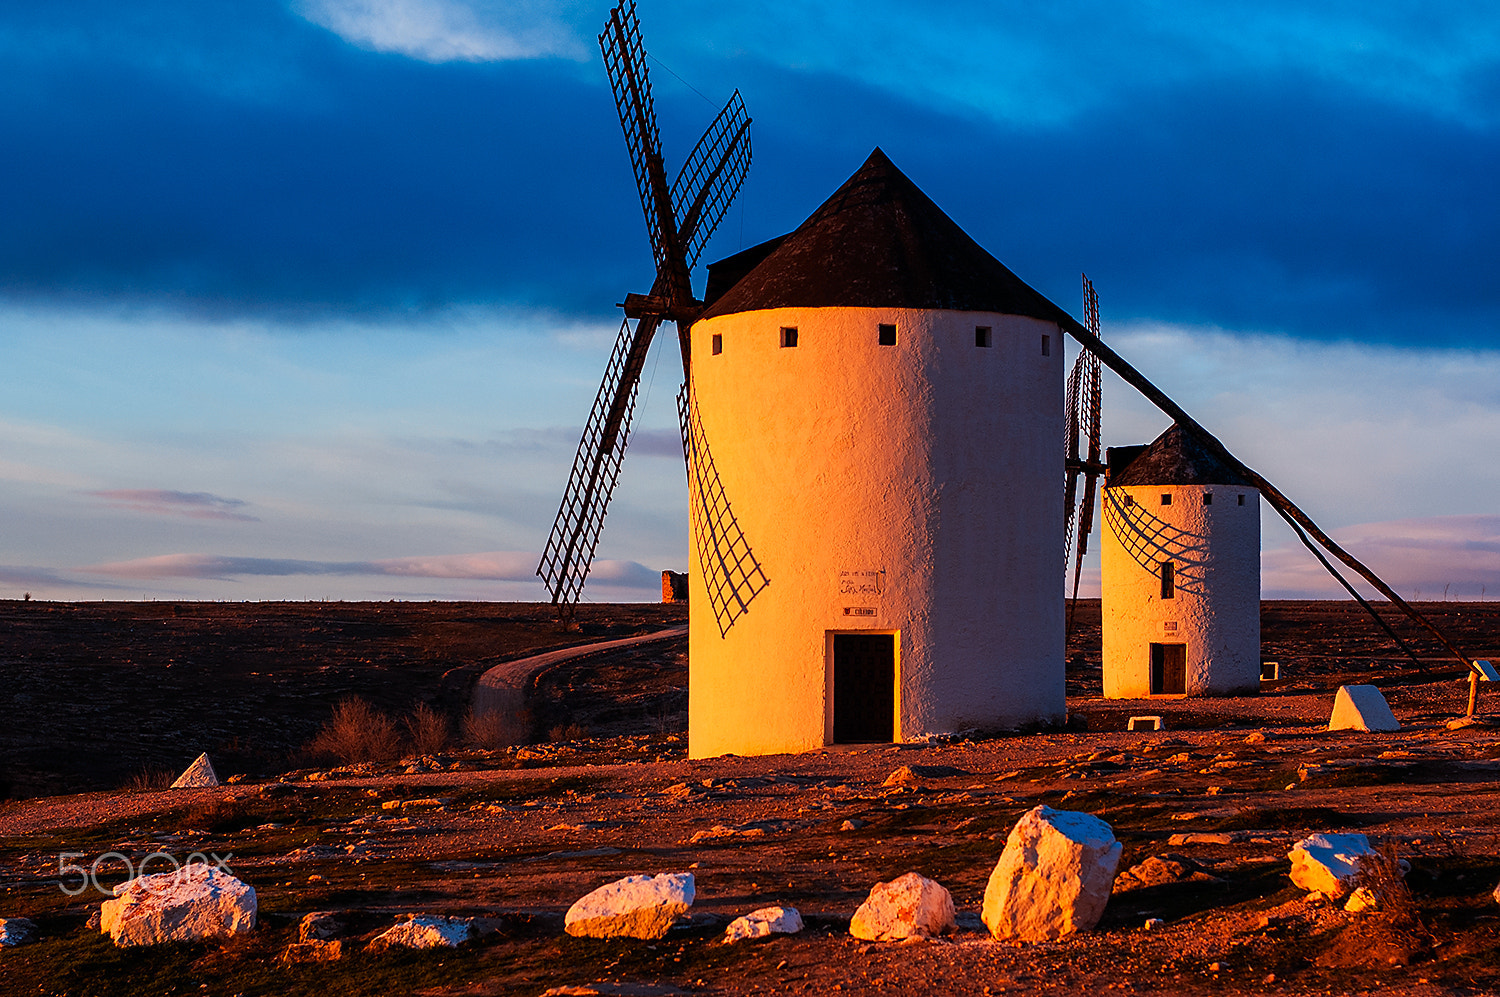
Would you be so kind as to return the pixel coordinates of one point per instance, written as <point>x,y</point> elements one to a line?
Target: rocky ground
<point>513,837</point>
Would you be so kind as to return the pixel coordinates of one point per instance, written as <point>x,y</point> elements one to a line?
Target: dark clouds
<point>240,160</point>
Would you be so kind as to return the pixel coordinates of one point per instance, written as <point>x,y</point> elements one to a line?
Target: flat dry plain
<point>94,695</point>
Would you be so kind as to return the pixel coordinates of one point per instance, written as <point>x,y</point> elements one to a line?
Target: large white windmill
<point>870,414</point>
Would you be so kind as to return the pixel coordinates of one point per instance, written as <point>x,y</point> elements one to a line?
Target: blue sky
<point>309,299</point>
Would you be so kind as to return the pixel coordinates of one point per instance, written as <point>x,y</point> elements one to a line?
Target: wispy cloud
<point>447,30</point>
<point>499,566</point>
<point>14,574</point>
<point>1452,557</point>
<point>162,502</point>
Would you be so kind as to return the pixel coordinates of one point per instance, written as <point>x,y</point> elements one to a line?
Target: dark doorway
<point>1168,669</point>
<point>864,687</point>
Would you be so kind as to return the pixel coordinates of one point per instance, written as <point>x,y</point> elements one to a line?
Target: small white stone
<point>1328,863</point>
<point>425,931</point>
<point>910,906</point>
<point>763,923</point>
<point>1152,923</point>
<point>1362,899</point>
<point>633,907</point>
<point>16,931</point>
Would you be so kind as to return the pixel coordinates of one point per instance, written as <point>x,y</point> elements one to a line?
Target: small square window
<point>1129,501</point>
<point>1241,499</point>
<point>887,335</point>
<point>718,343</point>
<point>1166,498</point>
<point>981,335</point>
<point>788,336</point>
<point>1208,498</point>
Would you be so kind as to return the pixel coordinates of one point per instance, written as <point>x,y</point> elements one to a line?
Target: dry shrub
<point>1390,935</point>
<point>357,732</point>
<point>1381,874</point>
<point>492,729</point>
<point>149,778</point>
<point>568,732</point>
<point>428,730</point>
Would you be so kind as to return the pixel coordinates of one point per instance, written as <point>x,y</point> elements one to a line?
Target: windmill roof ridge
<point>877,242</point>
<point>1173,458</point>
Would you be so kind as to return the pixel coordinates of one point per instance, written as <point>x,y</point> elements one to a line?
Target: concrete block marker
<point>1145,723</point>
<point>198,775</point>
<point>1362,707</point>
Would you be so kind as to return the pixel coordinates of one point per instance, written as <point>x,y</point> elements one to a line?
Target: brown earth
<point>516,836</point>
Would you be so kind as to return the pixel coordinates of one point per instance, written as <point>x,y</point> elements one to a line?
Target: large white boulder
<point>763,923</point>
<point>197,901</point>
<point>1362,707</point>
<point>633,907</point>
<point>911,906</point>
<point>1329,863</point>
<point>1053,878</point>
<point>197,775</point>
<point>425,931</point>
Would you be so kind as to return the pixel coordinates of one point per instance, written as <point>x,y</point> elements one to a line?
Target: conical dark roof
<point>1174,458</point>
<point>879,242</point>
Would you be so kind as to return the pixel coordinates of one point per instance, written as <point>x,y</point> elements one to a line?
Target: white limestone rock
<point>1053,878</point>
<point>197,775</point>
<point>425,931</point>
<point>21,930</point>
<point>1362,707</point>
<point>633,907</point>
<point>195,902</point>
<point>911,906</point>
<point>763,923</point>
<point>1328,863</point>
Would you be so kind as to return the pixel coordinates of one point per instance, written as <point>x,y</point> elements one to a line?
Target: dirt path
<point>504,689</point>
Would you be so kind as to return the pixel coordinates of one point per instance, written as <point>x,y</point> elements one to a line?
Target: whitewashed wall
<point>1216,609</point>
<point>920,483</point>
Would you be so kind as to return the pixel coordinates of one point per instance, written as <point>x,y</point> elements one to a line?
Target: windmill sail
<point>711,178</point>
<point>679,220</point>
<point>625,62</point>
<point>596,467</point>
<point>1085,399</point>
